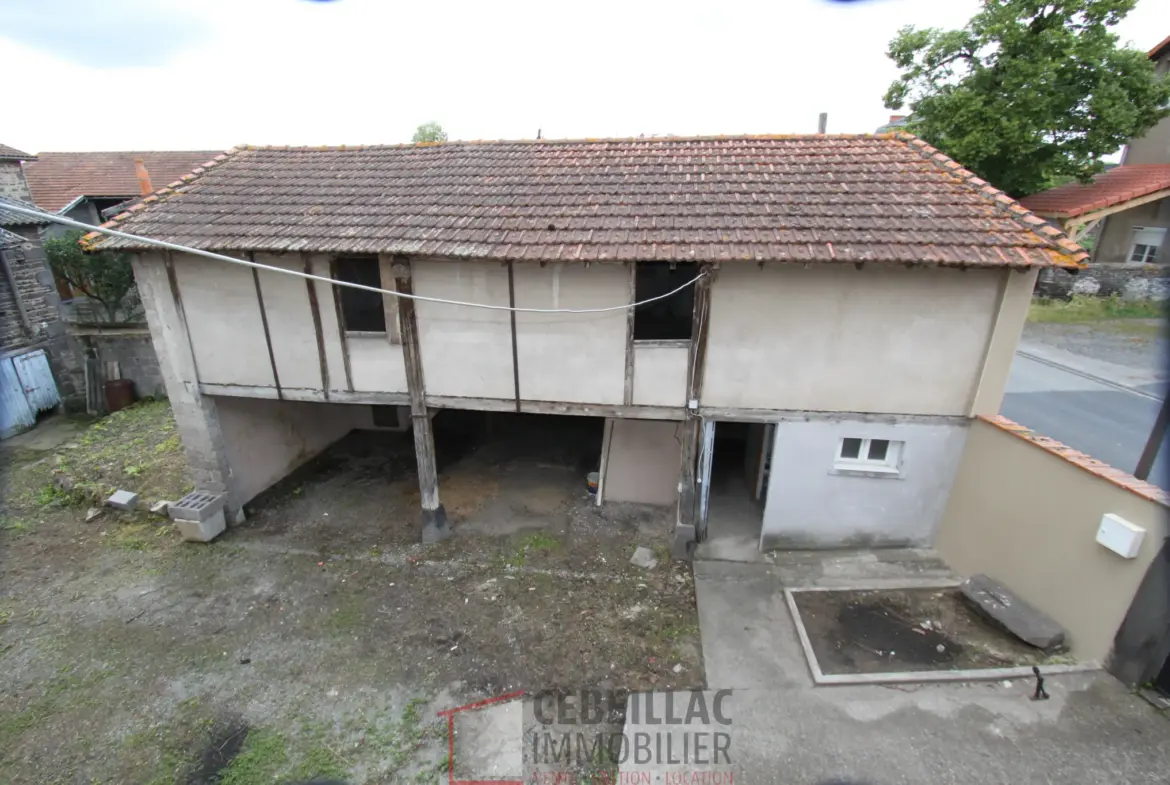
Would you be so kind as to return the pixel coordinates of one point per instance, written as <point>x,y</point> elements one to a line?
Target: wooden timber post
<point>685,531</point>
<point>435,526</point>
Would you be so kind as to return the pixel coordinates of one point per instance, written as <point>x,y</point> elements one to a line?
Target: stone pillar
<point>195,414</point>
<point>435,525</point>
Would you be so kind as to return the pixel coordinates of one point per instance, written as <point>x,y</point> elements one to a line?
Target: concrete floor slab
<point>785,730</point>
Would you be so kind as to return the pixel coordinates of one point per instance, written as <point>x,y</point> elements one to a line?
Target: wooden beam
<point>512,317</point>
<point>686,532</point>
<point>315,308</point>
<point>1076,229</point>
<point>628,394</point>
<point>1154,443</point>
<point>341,326</point>
<point>603,465</point>
<point>389,301</point>
<point>435,526</point>
<point>556,407</point>
<point>1097,215</point>
<point>173,281</point>
<point>264,323</point>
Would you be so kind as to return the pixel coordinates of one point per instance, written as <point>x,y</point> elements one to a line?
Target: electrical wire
<point>60,219</point>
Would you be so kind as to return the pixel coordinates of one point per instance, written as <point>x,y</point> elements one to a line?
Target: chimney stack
<point>823,122</point>
<point>143,177</point>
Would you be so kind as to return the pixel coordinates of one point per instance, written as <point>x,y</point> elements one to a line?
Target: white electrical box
<point>1120,536</point>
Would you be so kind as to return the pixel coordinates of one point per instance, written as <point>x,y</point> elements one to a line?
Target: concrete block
<point>197,506</point>
<point>160,507</point>
<point>203,531</point>
<point>1009,612</point>
<point>123,500</point>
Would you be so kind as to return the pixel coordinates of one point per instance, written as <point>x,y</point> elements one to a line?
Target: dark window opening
<point>385,416</point>
<point>668,319</point>
<point>361,311</point>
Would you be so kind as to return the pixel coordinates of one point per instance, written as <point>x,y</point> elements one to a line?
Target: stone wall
<point>130,348</point>
<point>38,296</point>
<point>12,182</point>
<point>1131,282</point>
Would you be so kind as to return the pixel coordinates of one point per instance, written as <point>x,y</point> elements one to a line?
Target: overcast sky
<point>208,74</point>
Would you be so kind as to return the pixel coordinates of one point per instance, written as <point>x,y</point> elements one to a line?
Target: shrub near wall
<point>1130,282</point>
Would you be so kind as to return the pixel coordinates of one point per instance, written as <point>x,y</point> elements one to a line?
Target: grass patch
<point>63,692</point>
<point>137,448</point>
<point>1086,309</point>
<point>347,617</point>
<point>535,542</point>
<point>263,757</point>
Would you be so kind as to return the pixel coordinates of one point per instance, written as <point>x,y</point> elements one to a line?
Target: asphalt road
<point>1110,424</point>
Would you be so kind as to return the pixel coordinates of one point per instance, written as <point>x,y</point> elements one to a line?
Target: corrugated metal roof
<point>10,218</point>
<point>11,153</point>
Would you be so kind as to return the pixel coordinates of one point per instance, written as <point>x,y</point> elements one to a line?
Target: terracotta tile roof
<point>1081,460</point>
<point>56,179</point>
<point>11,153</point>
<point>9,218</point>
<point>1161,49</point>
<point>1110,188</point>
<point>888,198</point>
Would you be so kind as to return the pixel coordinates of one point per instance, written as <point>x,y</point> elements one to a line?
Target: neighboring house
<point>897,122</point>
<point>82,185</point>
<point>1129,205</point>
<point>856,300</point>
<point>34,354</point>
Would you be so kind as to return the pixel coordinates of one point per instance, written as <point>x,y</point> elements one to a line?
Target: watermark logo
<point>592,736</point>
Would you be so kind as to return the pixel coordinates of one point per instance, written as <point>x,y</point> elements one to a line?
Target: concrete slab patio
<point>785,730</point>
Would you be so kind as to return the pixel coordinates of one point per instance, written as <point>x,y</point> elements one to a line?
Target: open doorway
<point>738,484</point>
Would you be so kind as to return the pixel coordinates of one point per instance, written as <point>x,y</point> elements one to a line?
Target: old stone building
<point>35,354</point>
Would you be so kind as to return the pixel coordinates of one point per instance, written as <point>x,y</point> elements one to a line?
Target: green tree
<point>103,276</point>
<point>429,132</point>
<point>1028,92</point>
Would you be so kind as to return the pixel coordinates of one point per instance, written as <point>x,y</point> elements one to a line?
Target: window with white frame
<point>869,455</point>
<point>1146,242</point>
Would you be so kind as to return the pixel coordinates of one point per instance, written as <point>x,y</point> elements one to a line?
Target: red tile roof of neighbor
<point>883,198</point>
<point>57,179</point>
<point>1118,185</point>
<point>1161,49</point>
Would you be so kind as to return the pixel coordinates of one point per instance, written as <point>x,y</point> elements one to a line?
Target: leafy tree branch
<point>1028,93</point>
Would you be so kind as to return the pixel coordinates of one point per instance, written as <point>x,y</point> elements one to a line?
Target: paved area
<point>1058,396</point>
<point>783,730</point>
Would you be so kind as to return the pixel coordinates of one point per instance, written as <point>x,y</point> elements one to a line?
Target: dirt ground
<point>905,630</point>
<point>319,638</point>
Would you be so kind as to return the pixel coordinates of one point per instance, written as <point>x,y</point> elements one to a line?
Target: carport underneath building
<point>331,469</point>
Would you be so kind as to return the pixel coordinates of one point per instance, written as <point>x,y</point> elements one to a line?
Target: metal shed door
<point>39,388</point>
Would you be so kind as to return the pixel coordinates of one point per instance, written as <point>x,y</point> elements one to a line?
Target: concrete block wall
<point>265,440</point>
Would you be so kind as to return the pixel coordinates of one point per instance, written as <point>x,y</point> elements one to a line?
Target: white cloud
<point>364,71</point>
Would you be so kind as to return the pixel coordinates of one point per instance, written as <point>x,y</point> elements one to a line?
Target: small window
<point>1146,242</point>
<point>668,319</point>
<point>869,455</point>
<point>1143,254</point>
<point>361,311</point>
